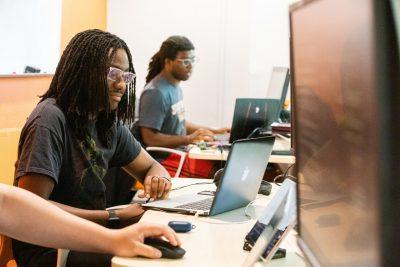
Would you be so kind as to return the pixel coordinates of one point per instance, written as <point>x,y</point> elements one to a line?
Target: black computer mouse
<point>167,250</point>
<point>217,176</point>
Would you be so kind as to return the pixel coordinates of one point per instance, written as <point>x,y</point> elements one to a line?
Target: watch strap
<point>112,215</point>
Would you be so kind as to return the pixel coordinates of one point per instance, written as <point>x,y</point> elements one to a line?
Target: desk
<point>217,240</point>
<point>215,154</point>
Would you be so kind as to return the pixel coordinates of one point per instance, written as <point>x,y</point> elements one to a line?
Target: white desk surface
<point>216,240</point>
<point>215,154</point>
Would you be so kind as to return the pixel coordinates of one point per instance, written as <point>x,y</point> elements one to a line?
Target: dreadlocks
<point>80,84</point>
<point>169,49</point>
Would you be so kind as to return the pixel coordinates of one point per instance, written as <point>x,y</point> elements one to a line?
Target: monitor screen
<point>343,96</point>
<point>278,87</point>
<point>278,84</point>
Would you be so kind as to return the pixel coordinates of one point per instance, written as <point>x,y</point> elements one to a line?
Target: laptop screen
<point>278,84</point>
<point>252,113</point>
<point>242,174</point>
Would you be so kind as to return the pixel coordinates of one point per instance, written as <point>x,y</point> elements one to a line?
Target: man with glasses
<point>76,133</point>
<point>161,113</point>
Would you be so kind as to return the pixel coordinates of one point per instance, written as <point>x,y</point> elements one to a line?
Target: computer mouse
<point>265,188</point>
<point>217,176</point>
<point>167,250</point>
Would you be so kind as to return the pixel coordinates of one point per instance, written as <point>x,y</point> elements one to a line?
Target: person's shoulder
<point>49,109</point>
<point>154,85</point>
<point>160,83</point>
<point>47,113</point>
<point>152,90</point>
<point>124,132</point>
<point>121,129</point>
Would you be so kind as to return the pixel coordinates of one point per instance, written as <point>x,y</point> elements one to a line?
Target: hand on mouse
<point>128,242</point>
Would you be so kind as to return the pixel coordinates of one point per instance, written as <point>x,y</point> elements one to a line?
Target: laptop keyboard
<point>274,239</point>
<point>204,204</point>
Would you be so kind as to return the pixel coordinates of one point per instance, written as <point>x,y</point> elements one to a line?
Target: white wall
<point>238,42</point>
<point>30,33</point>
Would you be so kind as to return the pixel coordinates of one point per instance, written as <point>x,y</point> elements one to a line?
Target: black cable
<point>287,170</point>
<point>284,176</point>
<point>254,133</point>
<point>221,149</point>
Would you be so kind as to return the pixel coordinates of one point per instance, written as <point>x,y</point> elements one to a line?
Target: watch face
<point>112,215</point>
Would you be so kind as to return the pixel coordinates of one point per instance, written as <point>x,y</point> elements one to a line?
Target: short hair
<point>169,49</point>
<point>80,84</point>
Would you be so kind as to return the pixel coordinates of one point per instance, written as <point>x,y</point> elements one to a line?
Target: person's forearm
<point>191,127</point>
<point>97,216</point>
<point>165,140</point>
<point>22,211</point>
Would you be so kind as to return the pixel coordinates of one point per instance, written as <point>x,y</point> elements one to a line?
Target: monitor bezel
<point>387,68</point>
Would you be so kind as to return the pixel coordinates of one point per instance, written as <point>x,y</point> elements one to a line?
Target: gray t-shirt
<point>48,147</point>
<point>161,107</point>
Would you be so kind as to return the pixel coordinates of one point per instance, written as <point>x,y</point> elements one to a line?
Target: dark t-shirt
<point>48,147</point>
<point>161,107</point>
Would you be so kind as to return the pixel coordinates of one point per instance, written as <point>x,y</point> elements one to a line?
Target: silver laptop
<point>277,220</point>
<point>279,84</point>
<point>239,182</point>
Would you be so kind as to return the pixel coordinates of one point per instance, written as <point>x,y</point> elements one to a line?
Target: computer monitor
<point>278,84</point>
<point>346,94</point>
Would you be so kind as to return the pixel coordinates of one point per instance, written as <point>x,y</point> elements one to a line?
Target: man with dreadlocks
<point>76,133</point>
<point>161,112</point>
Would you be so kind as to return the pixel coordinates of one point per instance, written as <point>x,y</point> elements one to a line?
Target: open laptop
<point>277,89</point>
<point>239,184</point>
<point>249,114</point>
<point>274,224</point>
<point>279,84</point>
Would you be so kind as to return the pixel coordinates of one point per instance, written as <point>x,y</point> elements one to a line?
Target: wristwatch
<point>112,215</point>
<point>114,221</point>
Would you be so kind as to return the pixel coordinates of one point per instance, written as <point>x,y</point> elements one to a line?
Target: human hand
<point>128,241</point>
<point>222,130</point>
<point>201,135</point>
<point>156,187</point>
<point>131,214</point>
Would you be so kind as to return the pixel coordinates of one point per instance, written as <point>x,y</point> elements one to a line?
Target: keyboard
<point>204,204</point>
<point>275,238</point>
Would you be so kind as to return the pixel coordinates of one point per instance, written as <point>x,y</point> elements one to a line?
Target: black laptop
<point>250,114</point>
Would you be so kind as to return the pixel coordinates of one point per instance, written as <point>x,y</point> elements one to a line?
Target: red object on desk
<point>281,127</point>
<point>193,168</point>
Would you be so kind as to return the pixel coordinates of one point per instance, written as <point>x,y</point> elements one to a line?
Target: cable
<point>284,176</point>
<point>211,222</point>
<point>254,133</point>
<point>245,209</point>
<point>183,186</point>
<point>288,169</point>
<point>221,149</point>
